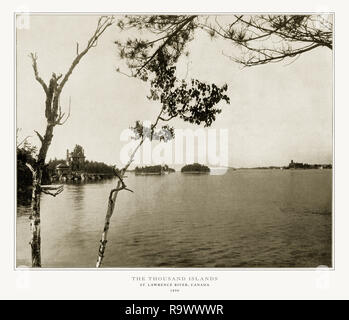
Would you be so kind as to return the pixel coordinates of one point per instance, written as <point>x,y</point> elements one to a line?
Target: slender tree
<point>164,38</point>
<point>194,101</point>
<point>54,116</point>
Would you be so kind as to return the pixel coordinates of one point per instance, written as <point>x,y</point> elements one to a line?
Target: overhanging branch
<point>47,189</point>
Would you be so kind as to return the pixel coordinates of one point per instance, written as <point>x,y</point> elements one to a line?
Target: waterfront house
<point>62,169</point>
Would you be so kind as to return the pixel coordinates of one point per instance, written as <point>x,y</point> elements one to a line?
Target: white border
<point>232,284</point>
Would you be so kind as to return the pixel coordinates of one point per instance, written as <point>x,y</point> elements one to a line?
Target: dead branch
<point>117,190</point>
<point>103,23</point>
<point>48,188</point>
<point>40,136</point>
<point>123,185</point>
<point>61,115</point>
<point>34,58</point>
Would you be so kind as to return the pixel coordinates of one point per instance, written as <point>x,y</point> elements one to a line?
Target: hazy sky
<point>278,112</point>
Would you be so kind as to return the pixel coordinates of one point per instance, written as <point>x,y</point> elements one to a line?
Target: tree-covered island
<point>195,168</point>
<point>153,170</point>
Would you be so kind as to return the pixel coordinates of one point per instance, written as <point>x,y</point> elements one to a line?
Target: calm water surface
<point>245,218</point>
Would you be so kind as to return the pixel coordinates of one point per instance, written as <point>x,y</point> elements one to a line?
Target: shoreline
<point>195,172</point>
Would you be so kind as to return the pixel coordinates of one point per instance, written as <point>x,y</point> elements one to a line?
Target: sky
<point>277,112</point>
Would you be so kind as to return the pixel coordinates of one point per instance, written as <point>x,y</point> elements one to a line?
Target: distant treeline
<point>296,165</point>
<point>149,169</point>
<point>195,167</point>
<point>98,167</point>
<point>88,167</point>
<point>154,169</point>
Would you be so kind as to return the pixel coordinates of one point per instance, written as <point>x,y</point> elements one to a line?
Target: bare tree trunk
<point>114,192</point>
<point>111,205</point>
<point>103,241</point>
<point>35,221</point>
<point>54,116</point>
<point>34,218</point>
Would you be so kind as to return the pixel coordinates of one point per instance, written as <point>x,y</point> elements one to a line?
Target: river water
<point>244,218</point>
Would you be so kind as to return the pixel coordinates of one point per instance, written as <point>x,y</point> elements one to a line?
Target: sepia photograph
<point>167,141</point>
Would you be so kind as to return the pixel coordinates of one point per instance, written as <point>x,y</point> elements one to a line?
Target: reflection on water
<point>245,218</point>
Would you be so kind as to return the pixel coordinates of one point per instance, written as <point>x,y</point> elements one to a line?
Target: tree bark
<point>103,241</point>
<point>113,194</point>
<point>111,205</point>
<point>35,220</point>
<point>54,116</point>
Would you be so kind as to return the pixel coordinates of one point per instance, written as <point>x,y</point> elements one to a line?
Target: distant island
<point>299,165</point>
<point>195,168</point>
<point>153,170</point>
<point>295,165</point>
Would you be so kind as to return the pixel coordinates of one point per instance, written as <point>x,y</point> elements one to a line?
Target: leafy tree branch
<point>261,38</point>
<point>195,102</point>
